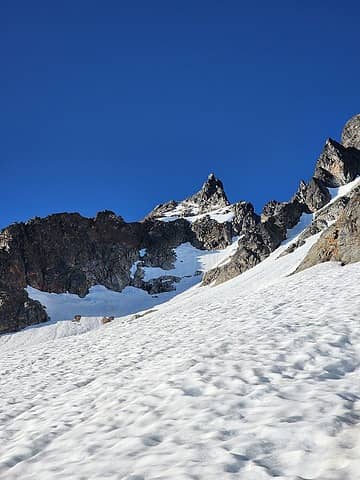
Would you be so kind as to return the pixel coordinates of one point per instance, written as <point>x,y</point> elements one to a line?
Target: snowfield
<point>255,379</point>
<point>190,262</point>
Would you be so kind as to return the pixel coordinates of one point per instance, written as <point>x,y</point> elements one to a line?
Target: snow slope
<point>343,190</point>
<point>190,260</point>
<point>221,215</point>
<point>255,379</point>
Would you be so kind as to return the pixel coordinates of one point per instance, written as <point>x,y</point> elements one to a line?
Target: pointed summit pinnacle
<point>211,195</point>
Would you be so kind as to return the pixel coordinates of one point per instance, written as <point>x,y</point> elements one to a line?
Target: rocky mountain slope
<point>70,253</point>
<point>337,165</point>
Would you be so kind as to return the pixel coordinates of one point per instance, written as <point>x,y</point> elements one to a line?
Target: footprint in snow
<point>152,440</point>
<point>192,392</point>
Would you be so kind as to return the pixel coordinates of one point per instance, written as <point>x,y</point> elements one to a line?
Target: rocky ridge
<point>67,252</point>
<point>337,165</point>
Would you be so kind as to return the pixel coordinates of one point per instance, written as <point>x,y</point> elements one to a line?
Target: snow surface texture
<point>257,378</point>
<point>254,379</point>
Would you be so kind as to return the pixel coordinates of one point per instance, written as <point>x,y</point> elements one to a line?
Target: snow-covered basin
<point>101,301</point>
<point>252,379</point>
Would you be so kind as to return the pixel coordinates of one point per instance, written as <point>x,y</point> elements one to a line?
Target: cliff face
<point>70,253</point>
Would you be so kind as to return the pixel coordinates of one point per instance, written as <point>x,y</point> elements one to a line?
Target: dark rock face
<point>256,242</point>
<point>351,134</point>
<point>17,310</point>
<point>210,234</point>
<point>63,253</point>
<point>286,214</point>
<point>337,165</point>
<point>160,238</point>
<point>245,218</point>
<point>70,253</point>
<point>341,241</point>
<point>314,195</point>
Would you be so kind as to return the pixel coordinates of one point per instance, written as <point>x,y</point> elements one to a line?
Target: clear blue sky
<point>121,105</point>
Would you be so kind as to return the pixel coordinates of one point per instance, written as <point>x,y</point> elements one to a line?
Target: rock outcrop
<point>211,234</point>
<point>17,310</point>
<point>285,214</point>
<point>341,241</point>
<point>211,195</point>
<point>351,133</point>
<point>322,219</point>
<point>337,165</point>
<point>257,240</point>
<point>313,195</point>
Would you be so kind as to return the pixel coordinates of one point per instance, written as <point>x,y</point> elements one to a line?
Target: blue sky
<point>121,105</point>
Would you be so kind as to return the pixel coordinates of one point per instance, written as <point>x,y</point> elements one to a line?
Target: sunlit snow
<point>255,379</point>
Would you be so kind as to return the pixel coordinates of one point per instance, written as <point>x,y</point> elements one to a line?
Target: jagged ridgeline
<point>67,252</point>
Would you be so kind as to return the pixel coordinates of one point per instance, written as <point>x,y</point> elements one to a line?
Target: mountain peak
<point>211,197</point>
